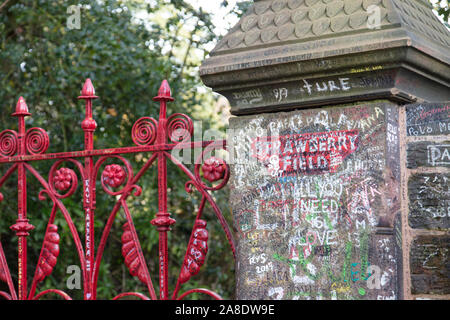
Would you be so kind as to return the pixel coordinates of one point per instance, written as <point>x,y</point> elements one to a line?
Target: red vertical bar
<point>163,221</point>
<point>89,225</point>
<point>21,227</point>
<point>22,214</point>
<point>89,125</point>
<point>164,227</point>
<point>162,206</point>
<point>22,241</point>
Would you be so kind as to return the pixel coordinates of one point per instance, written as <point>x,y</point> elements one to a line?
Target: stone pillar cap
<point>278,44</point>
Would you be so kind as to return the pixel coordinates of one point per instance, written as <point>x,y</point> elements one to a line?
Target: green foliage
<point>443,10</point>
<point>126,58</point>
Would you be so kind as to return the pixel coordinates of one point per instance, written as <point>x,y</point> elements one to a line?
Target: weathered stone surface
<point>314,202</point>
<point>429,201</point>
<point>393,145</point>
<point>428,119</point>
<point>398,236</point>
<point>428,154</point>
<point>279,46</point>
<point>315,192</point>
<point>354,15</point>
<point>290,92</point>
<point>430,265</point>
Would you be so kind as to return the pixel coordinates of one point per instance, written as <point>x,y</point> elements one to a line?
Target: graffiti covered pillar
<point>426,177</point>
<point>318,89</point>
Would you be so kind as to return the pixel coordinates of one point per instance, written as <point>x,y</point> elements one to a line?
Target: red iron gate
<point>155,137</point>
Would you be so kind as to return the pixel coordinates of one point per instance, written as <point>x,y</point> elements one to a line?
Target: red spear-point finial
<point>164,92</point>
<point>88,91</point>
<point>88,88</point>
<point>21,108</point>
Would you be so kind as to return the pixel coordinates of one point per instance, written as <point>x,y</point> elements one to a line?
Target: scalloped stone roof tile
<point>277,21</point>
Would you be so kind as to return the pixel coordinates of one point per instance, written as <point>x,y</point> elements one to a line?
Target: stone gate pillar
<point>338,190</point>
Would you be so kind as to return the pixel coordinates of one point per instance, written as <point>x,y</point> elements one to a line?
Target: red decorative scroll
<point>49,255</point>
<point>196,253</point>
<point>3,276</point>
<point>156,138</point>
<point>131,254</point>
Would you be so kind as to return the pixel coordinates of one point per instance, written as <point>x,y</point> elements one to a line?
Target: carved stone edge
<point>433,76</point>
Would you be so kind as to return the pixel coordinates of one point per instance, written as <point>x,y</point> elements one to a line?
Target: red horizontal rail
<point>117,180</point>
<point>113,151</point>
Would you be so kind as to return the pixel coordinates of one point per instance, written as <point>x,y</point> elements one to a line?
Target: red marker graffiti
<point>308,153</point>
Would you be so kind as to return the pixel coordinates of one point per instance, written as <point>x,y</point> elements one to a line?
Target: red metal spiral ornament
<point>36,141</point>
<point>144,131</point>
<point>180,128</point>
<point>155,138</point>
<point>8,143</point>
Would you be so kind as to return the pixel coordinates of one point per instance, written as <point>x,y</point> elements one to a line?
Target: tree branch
<point>4,4</point>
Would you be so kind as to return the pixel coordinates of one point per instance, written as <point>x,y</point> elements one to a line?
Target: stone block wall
<point>342,189</point>
<point>426,194</point>
<point>315,195</point>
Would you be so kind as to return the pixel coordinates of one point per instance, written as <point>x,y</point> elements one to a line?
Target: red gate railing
<point>158,138</point>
